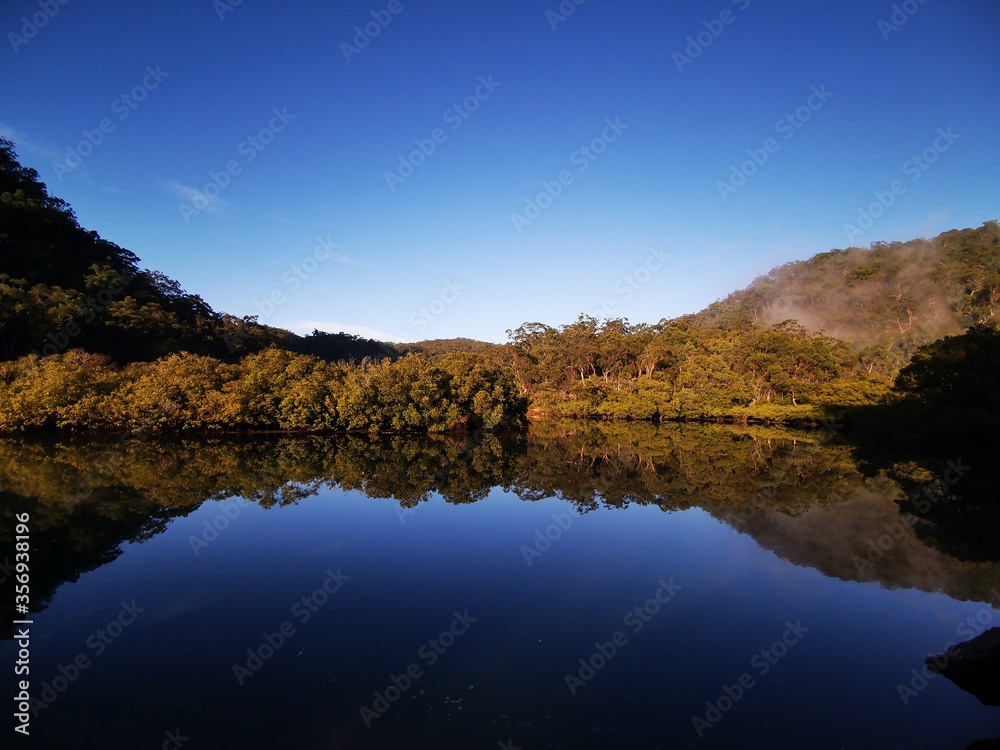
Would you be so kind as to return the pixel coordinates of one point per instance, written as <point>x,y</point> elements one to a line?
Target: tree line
<point>678,369</point>
<point>271,390</point>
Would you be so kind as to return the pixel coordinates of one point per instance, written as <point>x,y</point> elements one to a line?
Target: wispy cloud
<point>216,206</point>
<point>933,224</point>
<point>45,150</point>
<point>27,144</point>
<point>109,189</point>
<point>346,260</point>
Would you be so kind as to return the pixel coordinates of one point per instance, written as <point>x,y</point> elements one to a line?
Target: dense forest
<point>272,390</point>
<point>89,340</point>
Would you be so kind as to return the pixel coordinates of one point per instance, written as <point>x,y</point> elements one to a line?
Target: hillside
<point>892,297</point>
<point>439,347</point>
<point>64,287</point>
<point>804,339</point>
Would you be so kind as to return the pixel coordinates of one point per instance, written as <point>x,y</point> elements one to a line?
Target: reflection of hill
<point>960,506</point>
<point>86,499</point>
<point>941,423</point>
<point>842,540</point>
<point>794,492</point>
<point>974,666</point>
<point>680,466</point>
<point>68,544</point>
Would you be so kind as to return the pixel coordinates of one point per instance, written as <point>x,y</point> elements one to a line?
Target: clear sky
<point>619,121</point>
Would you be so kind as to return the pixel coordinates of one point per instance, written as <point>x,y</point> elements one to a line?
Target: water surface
<point>584,586</point>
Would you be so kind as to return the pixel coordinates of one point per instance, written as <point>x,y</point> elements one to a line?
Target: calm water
<point>717,584</point>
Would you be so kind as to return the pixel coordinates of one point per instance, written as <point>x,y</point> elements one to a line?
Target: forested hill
<point>434,348</point>
<point>805,339</point>
<point>63,287</point>
<point>89,340</point>
<point>893,296</point>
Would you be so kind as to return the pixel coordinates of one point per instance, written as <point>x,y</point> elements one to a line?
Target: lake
<point>581,586</point>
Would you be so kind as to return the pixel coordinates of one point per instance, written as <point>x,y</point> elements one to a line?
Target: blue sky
<point>472,166</point>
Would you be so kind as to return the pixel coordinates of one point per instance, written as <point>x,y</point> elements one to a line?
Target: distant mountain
<point>439,347</point>
<point>893,296</point>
